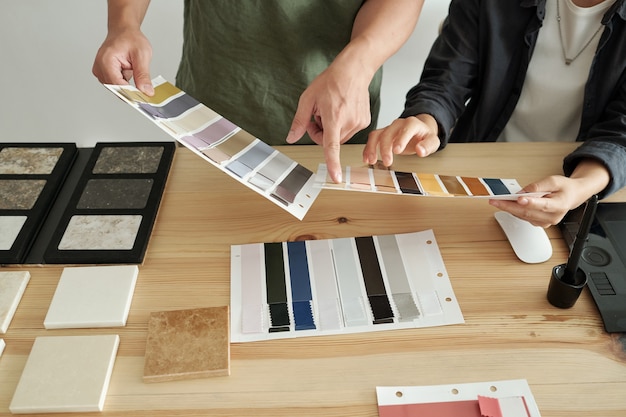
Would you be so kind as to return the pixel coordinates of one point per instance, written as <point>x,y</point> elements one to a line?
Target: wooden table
<point>574,368</point>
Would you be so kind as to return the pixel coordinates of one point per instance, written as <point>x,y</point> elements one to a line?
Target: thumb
<point>427,146</point>
<point>141,73</point>
<point>300,122</point>
<point>144,83</point>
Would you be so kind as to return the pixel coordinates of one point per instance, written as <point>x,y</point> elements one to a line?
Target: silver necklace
<point>558,19</point>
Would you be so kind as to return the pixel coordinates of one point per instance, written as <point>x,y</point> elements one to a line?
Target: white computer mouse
<point>530,243</point>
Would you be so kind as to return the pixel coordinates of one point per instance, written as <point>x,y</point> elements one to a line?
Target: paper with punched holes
<point>507,398</point>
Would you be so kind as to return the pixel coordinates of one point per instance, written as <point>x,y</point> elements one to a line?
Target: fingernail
<point>148,89</point>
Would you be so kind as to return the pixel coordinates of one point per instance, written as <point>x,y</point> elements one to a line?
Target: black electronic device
<point>603,259</point>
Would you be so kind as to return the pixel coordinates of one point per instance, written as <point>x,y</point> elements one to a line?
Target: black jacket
<point>473,77</point>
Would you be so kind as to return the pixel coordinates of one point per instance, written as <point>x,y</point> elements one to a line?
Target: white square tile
<point>66,374</point>
<point>92,296</point>
<point>2,345</point>
<point>12,286</point>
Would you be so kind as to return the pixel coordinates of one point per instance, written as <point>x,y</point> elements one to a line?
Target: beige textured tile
<point>12,286</point>
<point>186,344</point>
<point>66,374</point>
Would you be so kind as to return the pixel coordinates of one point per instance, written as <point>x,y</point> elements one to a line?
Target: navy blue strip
<point>303,315</point>
<point>299,271</point>
<point>497,187</point>
<point>300,285</point>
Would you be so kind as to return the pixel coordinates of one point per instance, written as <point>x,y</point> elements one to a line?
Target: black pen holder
<point>564,294</point>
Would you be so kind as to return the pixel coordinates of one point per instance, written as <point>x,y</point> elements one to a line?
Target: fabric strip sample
<point>383,181</point>
<point>174,108</point>
<point>397,278</point>
<point>191,121</point>
<point>325,283</point>
<point>349,283</point>
<point>360,178</point>
<point>293,183</point>
<point>407,183</point>
<point>475,186</point>
<point>496,185</point>
<point>300,285</point>
<point>276,287</point>
<point>453,185</point>
<point>374,284</point>
<point>252,288</point>
<point>216,131</point>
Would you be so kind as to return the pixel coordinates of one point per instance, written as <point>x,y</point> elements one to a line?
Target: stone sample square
<point>66,374</point>
<point>12,287</point>
<point>186,344</point>
<point>92,296</point>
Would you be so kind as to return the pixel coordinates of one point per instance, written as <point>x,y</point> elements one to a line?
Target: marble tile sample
<point>129,160</point>
<point>20,194</point>
<point>26,160</point>
<point>66,374</point>
<point>101,232</point>
<point>12,286</point>
<point>10,227</point>
<point>92,296</point>
<point>186,344</point>
<point>2,345</point>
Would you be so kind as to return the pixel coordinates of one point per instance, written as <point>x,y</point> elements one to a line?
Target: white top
<point>550,105</point>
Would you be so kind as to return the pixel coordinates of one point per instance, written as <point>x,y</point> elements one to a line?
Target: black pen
<point>569,276</point>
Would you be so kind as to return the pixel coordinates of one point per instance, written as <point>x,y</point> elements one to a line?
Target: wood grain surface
<point>574,368</point>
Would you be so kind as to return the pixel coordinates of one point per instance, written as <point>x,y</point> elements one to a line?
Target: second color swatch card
<point>343,285</point>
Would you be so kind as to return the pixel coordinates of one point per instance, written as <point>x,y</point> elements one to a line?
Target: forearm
<point>592,176</point>
<point>381,27</point>
<point>126,14</point>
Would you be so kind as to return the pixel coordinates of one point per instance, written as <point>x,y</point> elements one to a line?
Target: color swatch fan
<point>236,152</point>
<point>385,181</point>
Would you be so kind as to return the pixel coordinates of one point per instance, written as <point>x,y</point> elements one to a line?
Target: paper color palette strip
<point>410,183</point>
<point>343,285</point>
<point>511,398</point>
<point>237,153</point>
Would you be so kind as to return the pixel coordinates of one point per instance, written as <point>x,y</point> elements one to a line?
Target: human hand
<point>413,135</point>
<point>331,110</point>
<point>125,55</point>
<point>563,194</point>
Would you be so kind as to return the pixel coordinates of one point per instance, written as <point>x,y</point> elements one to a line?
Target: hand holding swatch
<point>409,183</point>
<point>234,151</point>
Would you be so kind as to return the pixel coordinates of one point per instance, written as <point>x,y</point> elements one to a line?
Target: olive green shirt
<point>249,60</point>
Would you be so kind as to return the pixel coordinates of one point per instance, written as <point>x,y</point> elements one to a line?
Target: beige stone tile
<point>66,374</point>
<point>186,344</point>
<point>12,287</point>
